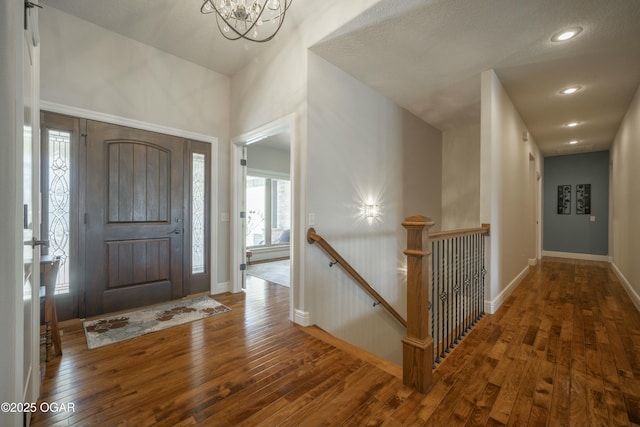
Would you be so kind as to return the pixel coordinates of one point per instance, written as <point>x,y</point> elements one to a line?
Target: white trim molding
<point>123,121</point>
<point>221,288</point>
<point>267,174</point>
<point>533,261</point>
<point>491,307</point>
<point>302,318</point>
<point>627,286</point>
<point>572,255</point>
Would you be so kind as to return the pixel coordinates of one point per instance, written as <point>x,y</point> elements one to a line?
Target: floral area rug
<point>124,326</point>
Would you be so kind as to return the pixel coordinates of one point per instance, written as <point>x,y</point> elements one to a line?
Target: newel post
<point>417,346</point>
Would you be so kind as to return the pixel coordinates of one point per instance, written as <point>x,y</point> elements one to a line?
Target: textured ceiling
<point>429,59</point>
<point>178,28</point>
<point>427,55</point>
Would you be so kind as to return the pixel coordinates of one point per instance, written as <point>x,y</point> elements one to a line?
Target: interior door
<point>134,218</point>
<point>31,213</point>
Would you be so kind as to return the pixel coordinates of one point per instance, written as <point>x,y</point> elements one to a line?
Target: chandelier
<point>254,20</point>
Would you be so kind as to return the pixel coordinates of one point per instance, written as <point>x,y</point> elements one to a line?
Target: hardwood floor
<point>564,349</point>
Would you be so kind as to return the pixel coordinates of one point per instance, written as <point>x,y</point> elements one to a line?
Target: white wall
<point>278,77</point>
<point>87,67</point>
<point>273,86</point>
<point>507,190</point>
<point>461,178</point>
<point>625,203</point>
<point>268,159</point>
<point>364,149</point>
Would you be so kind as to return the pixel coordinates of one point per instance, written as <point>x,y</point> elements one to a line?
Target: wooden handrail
<point>313,237</point>
<point>449,234</point>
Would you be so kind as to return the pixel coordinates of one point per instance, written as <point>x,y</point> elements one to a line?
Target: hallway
<point>563,349</point>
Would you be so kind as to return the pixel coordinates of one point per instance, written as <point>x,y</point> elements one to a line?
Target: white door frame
<point>284,124</point>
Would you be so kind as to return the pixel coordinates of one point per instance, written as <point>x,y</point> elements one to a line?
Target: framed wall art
<point>583,199</point>
<point>564,200</point>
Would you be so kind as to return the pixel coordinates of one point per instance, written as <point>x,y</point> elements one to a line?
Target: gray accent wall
<point>576,233</point>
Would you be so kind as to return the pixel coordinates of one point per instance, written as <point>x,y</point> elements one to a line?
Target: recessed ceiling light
<point>567,34</point>
<point>572,124</point>
<point>573,142</point>
<point>570,90</point>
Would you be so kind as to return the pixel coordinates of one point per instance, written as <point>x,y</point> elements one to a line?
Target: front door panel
<point>134,218</point>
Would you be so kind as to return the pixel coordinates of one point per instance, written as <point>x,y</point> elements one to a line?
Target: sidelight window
<point>198,198</point>
<point>58,206</point>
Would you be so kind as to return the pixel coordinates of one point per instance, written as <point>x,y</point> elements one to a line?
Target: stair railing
<point>445,292</point>
<point>313,237</point>
<point>457,286</point>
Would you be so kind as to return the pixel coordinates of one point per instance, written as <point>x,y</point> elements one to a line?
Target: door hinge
<point>28,5</point>
<point>243,214</point>
<point>243,162</point>
<point>243,267</point>
<point>86,218</point>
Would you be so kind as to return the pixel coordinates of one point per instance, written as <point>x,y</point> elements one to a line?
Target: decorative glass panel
<point>60,202</point>
<point>198,213</point>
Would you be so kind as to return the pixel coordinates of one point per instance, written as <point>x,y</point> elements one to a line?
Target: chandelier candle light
<point>254,20</point>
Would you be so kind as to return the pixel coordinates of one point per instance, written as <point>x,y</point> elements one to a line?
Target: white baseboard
<point>572,255</point>
<point>627,286</point>
<point>493,306</point>
<point>220,288</point>
<point>533,261</point>
<point>268,254</point>
<point>302,318</point>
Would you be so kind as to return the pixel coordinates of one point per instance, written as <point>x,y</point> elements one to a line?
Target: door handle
<point>35,242</point>
<point>176,231</point>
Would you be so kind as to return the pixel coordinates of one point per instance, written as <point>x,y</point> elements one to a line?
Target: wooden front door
<point>134,218</point>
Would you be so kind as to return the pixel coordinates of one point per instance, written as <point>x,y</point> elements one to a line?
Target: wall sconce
<point>371,211</point>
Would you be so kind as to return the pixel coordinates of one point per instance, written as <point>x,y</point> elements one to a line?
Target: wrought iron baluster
<point>432,298</point>
<point>457,289</point>
<point>437,296</point>
<point>477,290</point>
<point>484,272</point>
<point>446,294</point>
<point>442,300</point>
